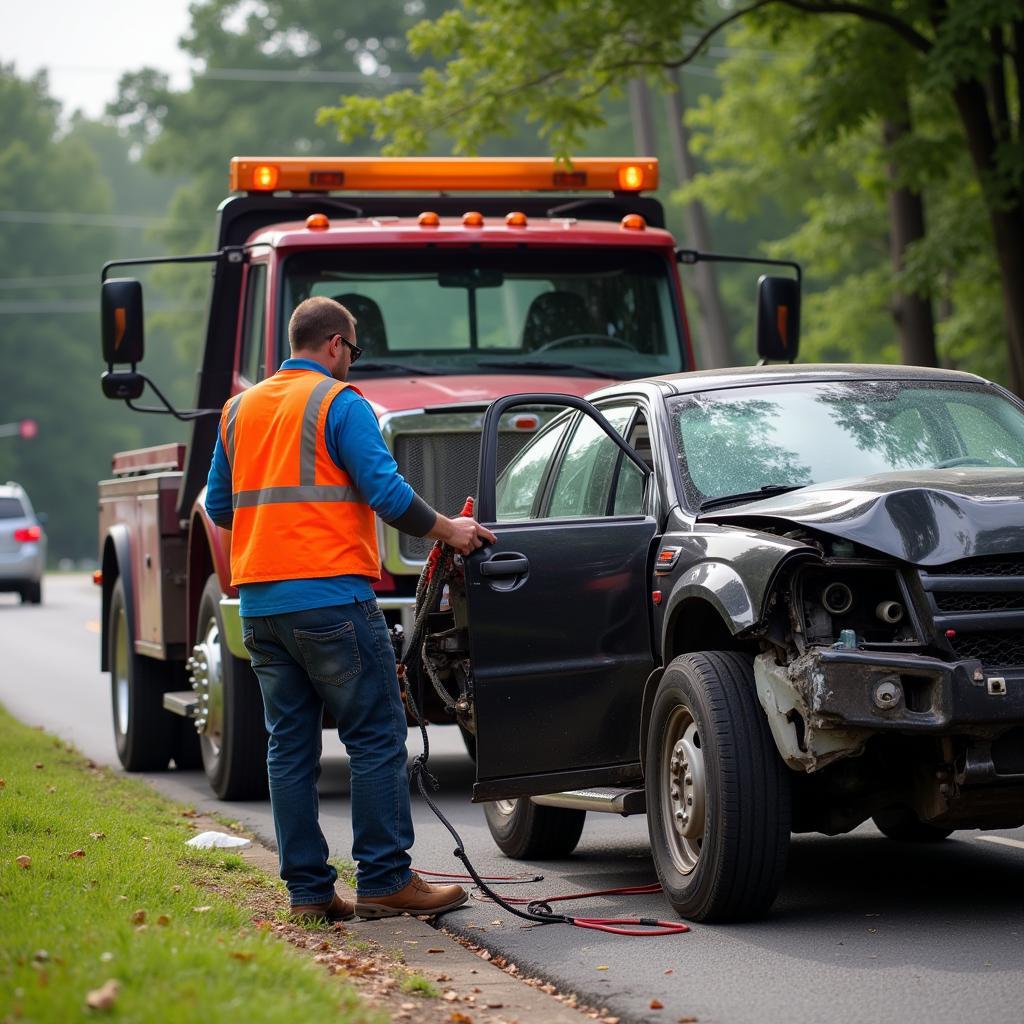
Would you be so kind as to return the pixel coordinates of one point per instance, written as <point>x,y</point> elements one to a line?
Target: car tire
<point>903,826</point>
<point>718,796</point>
<point>524,830</point>
<point>32,592</point>
<point>233,741</point>
<point>143,730</point>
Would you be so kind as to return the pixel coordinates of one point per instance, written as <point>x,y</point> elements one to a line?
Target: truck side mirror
<point>121,307</point>
<point>778,318</point>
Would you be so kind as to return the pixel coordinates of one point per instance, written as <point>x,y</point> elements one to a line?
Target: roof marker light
<point>473,219</point>
<point>265,177</point>
<point>631,178</point>
<point>428,219</point>
<point>633,222</point>
<point>516,219</point>
<point>526,422</point>
<point>317,222</point>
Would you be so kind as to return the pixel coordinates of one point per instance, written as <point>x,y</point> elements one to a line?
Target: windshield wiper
<point>379,367</point>
<point>767,491</point>
<point>540,364</point>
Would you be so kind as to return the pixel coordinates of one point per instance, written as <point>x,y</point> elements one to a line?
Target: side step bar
<point>182,702</point>
<point>609,800</point>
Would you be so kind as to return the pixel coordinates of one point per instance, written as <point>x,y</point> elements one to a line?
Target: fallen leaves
<point>97,835</point>
<point>244,955</point>
<point>139,917</point>
<point>202,910</point>
<point>163,920</point>
<point>104,997</point>
<point>458,1017</point>
<point>656,1004</point>
<point>76,854</point>
<point>23,862</point>
<point>601,967</point>
<point>38,765</point>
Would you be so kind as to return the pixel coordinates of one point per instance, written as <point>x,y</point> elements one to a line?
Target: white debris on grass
<point>211,840</point>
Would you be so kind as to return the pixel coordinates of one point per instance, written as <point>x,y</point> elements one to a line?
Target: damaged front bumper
<point>826,704</point>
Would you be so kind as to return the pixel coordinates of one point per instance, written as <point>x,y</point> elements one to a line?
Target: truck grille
<point>442,468</point>
<point>978,605</point>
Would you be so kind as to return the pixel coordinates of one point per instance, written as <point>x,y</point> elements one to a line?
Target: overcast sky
<point>85,45</point>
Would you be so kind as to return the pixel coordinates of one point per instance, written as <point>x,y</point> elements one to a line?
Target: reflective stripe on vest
<point>297,515</point>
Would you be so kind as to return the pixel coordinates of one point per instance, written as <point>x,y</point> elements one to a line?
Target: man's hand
<point>462,533</point>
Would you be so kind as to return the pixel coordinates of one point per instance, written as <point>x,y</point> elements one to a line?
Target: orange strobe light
<point>442,174</point>
<point>317,222</point>
<point>265,177</point>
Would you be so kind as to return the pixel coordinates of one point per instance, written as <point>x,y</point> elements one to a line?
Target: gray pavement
<point>864,930</point>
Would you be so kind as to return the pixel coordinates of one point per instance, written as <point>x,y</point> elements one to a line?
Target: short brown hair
<point>317,319</point>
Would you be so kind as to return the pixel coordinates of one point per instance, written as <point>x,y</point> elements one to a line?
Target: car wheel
<point>901,824</point>
<point>143,730</point>
<point>32,592</point>
<point>718,797</point>
<point>229,718</point>
<point>524,830</point>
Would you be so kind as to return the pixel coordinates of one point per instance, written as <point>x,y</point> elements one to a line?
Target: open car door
<point>558,608</point>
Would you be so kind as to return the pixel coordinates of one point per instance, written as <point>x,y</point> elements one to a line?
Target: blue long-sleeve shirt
<point>355,443</point>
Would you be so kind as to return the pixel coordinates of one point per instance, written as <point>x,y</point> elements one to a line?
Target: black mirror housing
<point>778,318</point>
<point>122,320</point>
<point>125,384</point>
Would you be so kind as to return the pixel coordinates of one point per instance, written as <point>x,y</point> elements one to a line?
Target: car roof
<point>11,490</point>
<point>693,381</point>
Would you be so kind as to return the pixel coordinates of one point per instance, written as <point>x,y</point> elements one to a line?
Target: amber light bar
<point>443,174</point>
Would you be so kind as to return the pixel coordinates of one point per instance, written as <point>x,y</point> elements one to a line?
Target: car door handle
<point>515,565</point>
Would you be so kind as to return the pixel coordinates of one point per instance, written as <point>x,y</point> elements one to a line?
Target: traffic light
<point>27,429</point>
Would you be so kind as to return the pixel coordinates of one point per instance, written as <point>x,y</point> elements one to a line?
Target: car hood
<point>399,394</point>
<point>928,517</point>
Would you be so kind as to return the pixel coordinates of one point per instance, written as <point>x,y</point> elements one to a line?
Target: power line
<point>75,306</point>
<point>48,282</point>
<point>86,220</point>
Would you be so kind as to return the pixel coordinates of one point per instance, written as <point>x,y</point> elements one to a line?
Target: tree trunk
<point>1006,215</point>
<point>715,347</point>
<point>912,312</point>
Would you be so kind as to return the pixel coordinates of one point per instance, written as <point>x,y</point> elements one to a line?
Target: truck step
<point>610,800</point>
<point>182,702</point>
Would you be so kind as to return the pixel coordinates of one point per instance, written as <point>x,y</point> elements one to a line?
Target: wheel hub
<point>207,679</point>
<point>120,671</point>
<point>684,790</point>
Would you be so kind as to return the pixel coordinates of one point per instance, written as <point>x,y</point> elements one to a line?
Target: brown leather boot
<point>335,909</point>
<point>418,897</point>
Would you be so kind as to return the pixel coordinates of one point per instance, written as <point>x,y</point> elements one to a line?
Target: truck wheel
<point>718,798</point>
<point>903,825</point>
<point>232,736</point>
<point>524,830</point>
<point>143,730</point>
<point>187,753</point>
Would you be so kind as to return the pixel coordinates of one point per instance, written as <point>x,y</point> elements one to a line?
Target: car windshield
<point>745,440</point>
<point>603,314</point>
<point>11,508</point>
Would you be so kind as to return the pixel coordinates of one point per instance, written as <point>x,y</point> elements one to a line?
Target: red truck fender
<point>208,552</point>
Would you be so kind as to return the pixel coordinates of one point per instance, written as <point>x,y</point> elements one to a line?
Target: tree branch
<point>906,32</point>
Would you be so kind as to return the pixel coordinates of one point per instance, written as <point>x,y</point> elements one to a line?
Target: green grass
<point>103,849</point>
<point>346,871</point>
<point>416,985</point>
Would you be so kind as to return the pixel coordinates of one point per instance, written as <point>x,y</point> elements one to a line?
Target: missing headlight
<point>870,600</point>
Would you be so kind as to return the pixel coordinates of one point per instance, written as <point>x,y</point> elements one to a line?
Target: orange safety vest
<point>297,515</point>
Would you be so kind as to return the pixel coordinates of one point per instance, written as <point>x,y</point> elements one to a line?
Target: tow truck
<point>470,279</point>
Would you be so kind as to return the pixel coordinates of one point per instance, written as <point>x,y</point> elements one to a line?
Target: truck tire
<point>718,797</point>
<point>524,830</point>
<point>902,825</point>
<point>187,753</point>
<point>143,730</point>
<point>232,736</point>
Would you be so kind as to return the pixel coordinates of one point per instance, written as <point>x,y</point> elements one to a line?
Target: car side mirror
<point>122,319</point>
<point>778,318</point>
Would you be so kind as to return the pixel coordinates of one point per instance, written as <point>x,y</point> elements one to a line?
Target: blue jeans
<point>340,657</point>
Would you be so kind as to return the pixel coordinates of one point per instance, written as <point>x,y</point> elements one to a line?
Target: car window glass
<point>586,473</point>
<point>983,438</point>
<point>518,485</point>
<point>254,331</point>
<point>10,508</point>
<point>629,490</point>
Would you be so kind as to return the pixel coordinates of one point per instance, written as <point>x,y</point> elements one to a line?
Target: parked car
<point>22,545</point>
<point>748,602</point>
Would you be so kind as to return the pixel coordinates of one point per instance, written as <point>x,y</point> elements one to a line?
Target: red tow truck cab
<point>469,280</point>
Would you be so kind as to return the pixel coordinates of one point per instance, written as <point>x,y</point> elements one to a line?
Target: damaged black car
<point>747,603</point>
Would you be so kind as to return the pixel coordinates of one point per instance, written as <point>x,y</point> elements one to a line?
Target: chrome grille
<point>442,468</point>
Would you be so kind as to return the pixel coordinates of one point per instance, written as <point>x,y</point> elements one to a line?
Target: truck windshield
<point>610,313</point>
<point>745,440</point>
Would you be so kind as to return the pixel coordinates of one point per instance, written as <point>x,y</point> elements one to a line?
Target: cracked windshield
<point>601,315</point>
<point>745,440</point>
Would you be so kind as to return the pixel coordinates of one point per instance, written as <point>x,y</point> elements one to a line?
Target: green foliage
<point>111,894</point>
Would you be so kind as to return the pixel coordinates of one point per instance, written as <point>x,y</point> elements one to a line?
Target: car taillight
<point>28,534</point>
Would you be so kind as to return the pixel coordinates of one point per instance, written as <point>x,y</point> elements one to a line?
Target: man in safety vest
<point>299,470</point>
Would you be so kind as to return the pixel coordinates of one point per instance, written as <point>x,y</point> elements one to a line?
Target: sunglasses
<point>355,350</point>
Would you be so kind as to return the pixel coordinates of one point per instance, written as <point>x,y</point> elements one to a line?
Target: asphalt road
<point>865,929</point>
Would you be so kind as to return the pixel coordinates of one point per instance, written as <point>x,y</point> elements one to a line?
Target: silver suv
<point>22,545</point>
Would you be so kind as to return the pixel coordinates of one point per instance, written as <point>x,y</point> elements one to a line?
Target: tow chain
<point>438,570</point>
